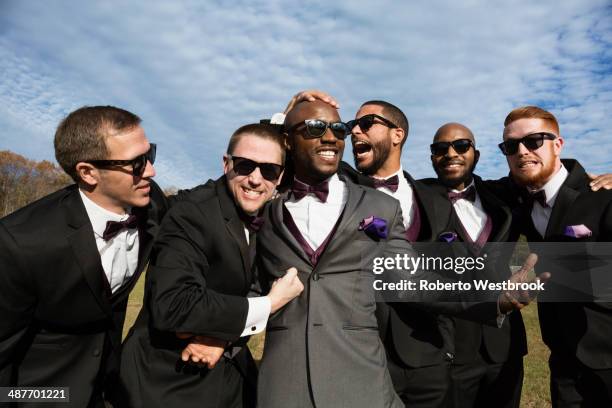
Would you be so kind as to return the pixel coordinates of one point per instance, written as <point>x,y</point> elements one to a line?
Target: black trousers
<point>421,387</point>
<point>483,383</point>
<point>572,384</point>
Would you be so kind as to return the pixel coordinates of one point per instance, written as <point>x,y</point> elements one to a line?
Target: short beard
<point>536,180</point>
<point>380,153</point>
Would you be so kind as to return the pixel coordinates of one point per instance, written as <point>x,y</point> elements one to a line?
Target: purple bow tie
<point>115,227</point>
<point>540,197</point>
<point>391,183</point>
<point>469,194</point>
<point>300,190</point>
<point>252,222</point>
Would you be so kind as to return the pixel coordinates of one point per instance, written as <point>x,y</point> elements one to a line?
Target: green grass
<point>535,385</point>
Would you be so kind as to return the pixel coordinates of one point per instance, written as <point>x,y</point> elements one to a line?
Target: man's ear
<point>287,141</point>
<point>226,167</point>
<point>397,136</point>
<point>476,156</point>
<point>558,143</point>
<point>88,174</point>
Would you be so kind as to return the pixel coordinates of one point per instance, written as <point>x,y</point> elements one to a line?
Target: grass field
<point>535,385</point>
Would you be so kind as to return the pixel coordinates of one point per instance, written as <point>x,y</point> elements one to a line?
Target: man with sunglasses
<point>188,345</point>
<point>324,349</point>
<point>488,367</point>
<point>417,342</point>
<point>69,260</point>
<point>555,203</point>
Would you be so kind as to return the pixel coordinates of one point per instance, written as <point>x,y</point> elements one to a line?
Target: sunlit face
<point>251,191</point>
<point>371,148</point>
<point>117,188</point>
<point>455,169</point>
<point>533,168</point>
<point>315,159</point>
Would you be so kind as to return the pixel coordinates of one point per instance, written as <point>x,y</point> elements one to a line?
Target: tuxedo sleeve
<point>481,308</point>
<point>181,299</point>
<point>17,302</point>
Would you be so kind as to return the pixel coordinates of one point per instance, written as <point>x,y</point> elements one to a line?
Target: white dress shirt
<point>316,219</point>
<point>541,215</point>
<point>471,214</point>
<point>404,194</point>
<point>119,255</point>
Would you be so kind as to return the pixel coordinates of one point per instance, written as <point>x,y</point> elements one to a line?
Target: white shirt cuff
<point>257,316</point>
<point>501,316</point>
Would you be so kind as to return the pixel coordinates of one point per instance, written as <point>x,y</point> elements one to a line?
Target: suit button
<point>253,328</point>
<point>96,353</point>
<point>315,276</point>
<point>450,356</point>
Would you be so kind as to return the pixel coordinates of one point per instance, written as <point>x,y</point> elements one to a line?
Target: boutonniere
<point>447,236</point>
<point>577,231</point>
<point>374,227</point>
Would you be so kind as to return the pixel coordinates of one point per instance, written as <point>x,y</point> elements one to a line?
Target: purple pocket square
<point>373,226</point>
<point>577,231</point>
<point>447,237</point>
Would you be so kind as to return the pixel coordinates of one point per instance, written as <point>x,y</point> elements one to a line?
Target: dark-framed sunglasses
<point>244,167</point>
<point>316,128</point>
<point>138,163</point>
<point>532,142</point>
<point>461,146</point>
<point>367,121</point>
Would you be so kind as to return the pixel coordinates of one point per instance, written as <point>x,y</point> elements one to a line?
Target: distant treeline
<point>23,181</point>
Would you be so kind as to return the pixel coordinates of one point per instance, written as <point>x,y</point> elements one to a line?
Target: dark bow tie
<point>391,183</point>
<point>252,222</point>
<point>300,190</point>
<point>115,227</point>
<point>540,197</point>
<point>469,194</point>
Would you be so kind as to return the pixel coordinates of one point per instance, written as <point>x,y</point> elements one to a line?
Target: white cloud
<point>196,71</point>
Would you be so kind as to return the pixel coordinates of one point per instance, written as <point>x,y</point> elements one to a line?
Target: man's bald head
<point>455,131</point>
<point>316,109</point>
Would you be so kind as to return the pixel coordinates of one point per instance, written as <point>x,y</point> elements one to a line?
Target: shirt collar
<point>552,187</point>
<point>461,191</point>
<point>397,173</point>
<point>99,216</point>
<point>335,188</point>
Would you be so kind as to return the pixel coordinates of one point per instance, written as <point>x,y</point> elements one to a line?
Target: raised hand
<point>285,289</point>
<point>601,181</point>
<point>311,95</point>
<point>517,299</point>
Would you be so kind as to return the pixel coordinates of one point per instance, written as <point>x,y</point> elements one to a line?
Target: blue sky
<point>195,71</point>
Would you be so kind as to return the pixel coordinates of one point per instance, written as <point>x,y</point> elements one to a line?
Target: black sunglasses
<point>532,142</point>
<point>244,167</point>
<point>460,146</point>
<point>316,128</point>
<point>367,121</point>
<point>138,163</point>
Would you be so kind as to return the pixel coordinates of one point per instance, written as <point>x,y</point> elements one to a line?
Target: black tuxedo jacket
<point>60,325</point>
<point>199,276</point>
<point>470,337</point>
<point>418,337</point>
<point>580,329</point>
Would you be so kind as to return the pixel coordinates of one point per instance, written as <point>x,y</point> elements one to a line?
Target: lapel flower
<point>577,231</point>
<point>447,236</point>
<point>374,227</point>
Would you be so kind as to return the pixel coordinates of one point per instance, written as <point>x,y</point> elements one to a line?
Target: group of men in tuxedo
<point>69,261</point>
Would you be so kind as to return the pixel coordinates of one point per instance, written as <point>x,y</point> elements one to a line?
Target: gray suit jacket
<point>323,349</point>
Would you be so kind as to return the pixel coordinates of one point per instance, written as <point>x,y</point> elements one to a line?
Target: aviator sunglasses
<point>460,146</point>
<point>316,128</point>
<point>138,163</point>
<point>244,167</point>
<point>367,121</point>
<point>532,142</point>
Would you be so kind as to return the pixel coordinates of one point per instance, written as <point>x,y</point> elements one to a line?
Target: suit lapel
<point>497,210</point>
<point>276,214</point>
<point>82,241</point>
<point>565,199</point>
<point>233,223</point>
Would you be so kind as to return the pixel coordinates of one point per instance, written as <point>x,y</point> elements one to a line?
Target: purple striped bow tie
<point>300,190</point>
<point>469,194</point>
<point>392,183</point>
<point>115,227</point>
